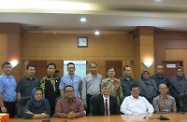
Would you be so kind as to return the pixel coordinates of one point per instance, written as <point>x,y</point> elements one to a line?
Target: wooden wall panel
<point>64,47</point>
<point>3,49</point>
<point>147,48</point>
<point>177,55</point>
<point>61,47</point>
<point>144,48</point>
<point>11,46</point>
<point>168,40</point>
<point>136,61</point>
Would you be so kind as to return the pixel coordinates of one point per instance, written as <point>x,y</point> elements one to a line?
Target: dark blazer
<point>98,107</point>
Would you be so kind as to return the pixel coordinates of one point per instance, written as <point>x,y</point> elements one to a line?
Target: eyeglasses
<point>69,91</point>
<point>71,67</point>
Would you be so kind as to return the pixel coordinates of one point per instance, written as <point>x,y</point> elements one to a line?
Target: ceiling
<point>109,15</point>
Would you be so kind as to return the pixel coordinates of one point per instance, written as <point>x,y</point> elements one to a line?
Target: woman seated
<point>37,107</point>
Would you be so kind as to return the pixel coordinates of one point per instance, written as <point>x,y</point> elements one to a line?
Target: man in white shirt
<point>136,104</point>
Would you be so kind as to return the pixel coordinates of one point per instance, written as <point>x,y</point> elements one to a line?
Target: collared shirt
<point>132,105</point>
<point>64,107</point>
<point>126,85</point>
<point>160,80</point>
<point>74,81</point>
<point>7,88</point>
<point>108,101</point>
<point>91,85</point>
<point>164,104</point>
<point>26,85</point>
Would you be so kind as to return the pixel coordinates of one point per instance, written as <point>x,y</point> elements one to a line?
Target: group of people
<point>70,96</point>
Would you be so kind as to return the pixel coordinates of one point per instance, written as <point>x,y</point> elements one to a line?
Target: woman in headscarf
<point>147,86</point>
<point>178,84</point>
<point>37,107</point>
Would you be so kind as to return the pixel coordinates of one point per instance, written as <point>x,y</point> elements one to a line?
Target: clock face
<point>82,42</point>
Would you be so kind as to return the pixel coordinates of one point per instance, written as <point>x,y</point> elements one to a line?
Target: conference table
<point>174,117</point>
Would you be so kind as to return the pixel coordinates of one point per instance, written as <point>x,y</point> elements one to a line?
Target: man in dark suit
<point>105,104</point>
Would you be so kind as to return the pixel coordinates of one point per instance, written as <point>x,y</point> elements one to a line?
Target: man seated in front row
<point>69,106</point>
<point>136,104</point>
<point>105,104</point>
<point>164,102</point>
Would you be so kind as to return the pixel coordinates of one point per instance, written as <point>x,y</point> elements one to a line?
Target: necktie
<point>106,106</point>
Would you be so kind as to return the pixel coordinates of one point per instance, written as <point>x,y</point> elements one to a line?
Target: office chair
<point>21,105</point>
<point>182,102</point>
<point>91,103</point>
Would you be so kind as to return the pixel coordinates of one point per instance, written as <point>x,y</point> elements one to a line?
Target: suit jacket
<point>98,107</point>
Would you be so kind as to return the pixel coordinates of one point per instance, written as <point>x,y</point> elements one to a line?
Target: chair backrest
<point>182,102</point>
<point>21,105</point>
<point>56,100</point>
<point>91,103</point>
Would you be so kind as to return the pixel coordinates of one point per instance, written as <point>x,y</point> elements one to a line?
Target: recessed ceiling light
<point>83,19</point>
<point>97,33</point>
<point>158,0</point>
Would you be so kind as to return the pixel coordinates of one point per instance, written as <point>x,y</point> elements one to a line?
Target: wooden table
<point>119,118</point>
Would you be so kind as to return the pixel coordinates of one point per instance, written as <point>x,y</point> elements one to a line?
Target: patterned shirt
<point>74,81</point>
<point>164,104</point>
<point>7,88</point>
<point>64,107</point>
<point>49,86</point>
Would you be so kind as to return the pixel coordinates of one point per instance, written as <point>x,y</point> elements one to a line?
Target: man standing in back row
<point>49,85</point>
<point>127,80</point>
<point>90,86</point>
<point>115,84</point>
<point>7,90</point>
<point>158,77</point>
<point>71,79</point>
<point>27,83</point>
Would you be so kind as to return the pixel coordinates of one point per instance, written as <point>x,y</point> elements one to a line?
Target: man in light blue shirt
<point>71,79</point>
<point>7,90</point>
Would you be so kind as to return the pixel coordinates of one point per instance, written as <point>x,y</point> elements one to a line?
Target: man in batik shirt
<point>115,84</point>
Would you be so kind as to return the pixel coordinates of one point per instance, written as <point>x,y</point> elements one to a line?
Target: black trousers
<point>11,108</point>
<point>88,104</point>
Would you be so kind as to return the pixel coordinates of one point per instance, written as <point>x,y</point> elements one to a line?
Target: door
<point>170,67</point>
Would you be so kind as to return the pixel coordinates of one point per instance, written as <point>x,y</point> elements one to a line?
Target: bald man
<point>164,103</point>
